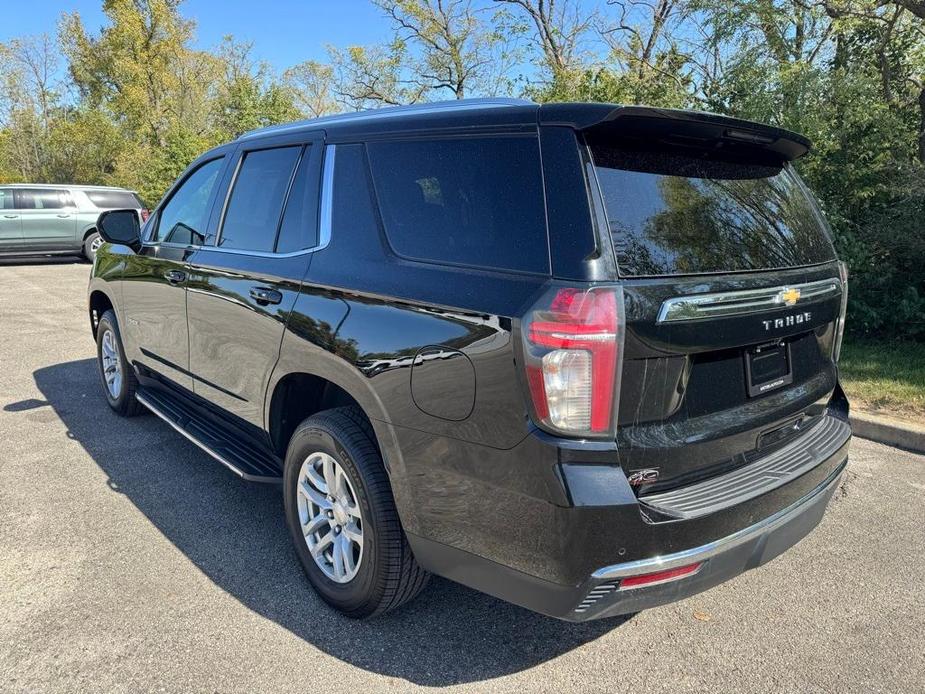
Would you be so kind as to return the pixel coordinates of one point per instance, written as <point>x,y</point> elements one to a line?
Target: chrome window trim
<point>326,213</point>
<point>738,302</point>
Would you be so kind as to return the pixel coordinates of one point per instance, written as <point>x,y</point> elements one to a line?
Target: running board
<point>242,459</point>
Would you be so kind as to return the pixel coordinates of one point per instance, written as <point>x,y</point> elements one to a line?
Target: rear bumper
<point>600,595</point>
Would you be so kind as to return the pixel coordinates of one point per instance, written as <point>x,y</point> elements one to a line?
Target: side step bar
<point>242,459</point>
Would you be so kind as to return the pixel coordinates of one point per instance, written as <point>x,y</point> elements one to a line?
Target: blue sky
<point>284,32</point>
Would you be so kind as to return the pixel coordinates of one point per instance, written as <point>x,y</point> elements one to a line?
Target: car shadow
<point>235,533</point>
<point>11,260</point>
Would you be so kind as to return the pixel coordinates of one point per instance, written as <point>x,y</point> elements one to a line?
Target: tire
<point>121,396</point>
<point>91,245</point>
<point>386,574</point>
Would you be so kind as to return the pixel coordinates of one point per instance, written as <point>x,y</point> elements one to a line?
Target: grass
<point>885,378</point>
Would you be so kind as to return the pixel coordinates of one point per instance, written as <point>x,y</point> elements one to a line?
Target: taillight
<point>840,323</point>
<point>144,215</point>
<point>572,344</point>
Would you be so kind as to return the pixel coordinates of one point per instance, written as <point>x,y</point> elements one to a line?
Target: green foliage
<point>133,103</point>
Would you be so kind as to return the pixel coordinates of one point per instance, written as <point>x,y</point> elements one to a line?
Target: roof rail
<point>390,112</point>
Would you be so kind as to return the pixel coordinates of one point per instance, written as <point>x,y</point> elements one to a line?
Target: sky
<point>284,32</point>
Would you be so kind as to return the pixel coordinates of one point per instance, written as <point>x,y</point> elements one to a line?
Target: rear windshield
<point>113,199</point>
<point>675,214</point>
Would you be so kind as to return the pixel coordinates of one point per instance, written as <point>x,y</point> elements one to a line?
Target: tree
<point>373,76</point>
<point>248,97</point>
<point>562,27</point>
<point>312,86</point>
<point>455,50</point>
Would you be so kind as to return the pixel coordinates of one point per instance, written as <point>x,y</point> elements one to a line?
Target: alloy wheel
<point>111,364</point>
<point>330,517</point>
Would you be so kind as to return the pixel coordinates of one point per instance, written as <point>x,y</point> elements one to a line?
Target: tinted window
<point>256,202</point>
<point>679,214</point>
<point>6,199</point>
<point>183,219</point>
<point>113,199</point>
<point>43,199</point>
<point>469,201</point>
<point>299,228</point>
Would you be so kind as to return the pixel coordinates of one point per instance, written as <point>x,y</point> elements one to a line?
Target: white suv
<point>39,219</point>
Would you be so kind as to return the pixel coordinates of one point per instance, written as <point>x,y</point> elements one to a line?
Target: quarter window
<point>183,219</point>
<point>475,201</point>
<point>256,203</point>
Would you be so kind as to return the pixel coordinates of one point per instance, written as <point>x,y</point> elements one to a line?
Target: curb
<point>892,432</point>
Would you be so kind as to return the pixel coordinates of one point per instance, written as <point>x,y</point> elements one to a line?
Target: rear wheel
<point>342,517</point>
<point>116,374</point>
<point>91,245</point>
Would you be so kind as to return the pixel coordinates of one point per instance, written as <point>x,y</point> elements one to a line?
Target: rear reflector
<point>660,577</point>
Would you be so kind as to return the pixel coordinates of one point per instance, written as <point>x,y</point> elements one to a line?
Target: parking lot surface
<point>131,561</point>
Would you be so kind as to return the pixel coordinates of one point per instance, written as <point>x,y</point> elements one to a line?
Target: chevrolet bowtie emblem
<point>789,296</point>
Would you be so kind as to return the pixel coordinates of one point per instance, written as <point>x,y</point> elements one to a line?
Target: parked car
<point>40,219</point>
<point>581,357</point>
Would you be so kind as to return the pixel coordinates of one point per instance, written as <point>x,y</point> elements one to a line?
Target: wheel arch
<point>296,393</point>
<point>98,303</point>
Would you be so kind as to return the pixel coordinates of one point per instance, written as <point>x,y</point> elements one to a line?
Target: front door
<point>49,219</point>
<point>10,224</point>
<point>243,286</point>
<point>154,290</point>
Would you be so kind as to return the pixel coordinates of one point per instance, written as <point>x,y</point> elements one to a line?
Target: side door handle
<point>63,216</point>
<point>264,296</point>
<point>11,216</point>
<point>175,276</point>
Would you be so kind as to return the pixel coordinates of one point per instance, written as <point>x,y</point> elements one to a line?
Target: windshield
<point>675,213</point>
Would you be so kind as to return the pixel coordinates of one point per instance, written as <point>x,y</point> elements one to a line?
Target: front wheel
<point>342,517</point>
<point>116,374</point>
<point>91,245</point>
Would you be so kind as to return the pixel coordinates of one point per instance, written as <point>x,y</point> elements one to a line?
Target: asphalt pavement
<point>131,561</point>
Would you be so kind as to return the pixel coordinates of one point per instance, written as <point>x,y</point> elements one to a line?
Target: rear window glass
<point>672,213</point>
<point>474,201</point>
<point>113,199</point>
<point>256,202</point>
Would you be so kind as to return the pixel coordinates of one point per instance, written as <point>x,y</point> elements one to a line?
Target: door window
<point>6,199</point>
<point>299,228</point>
<point>183,219</point>
<point>256,203</point>
<point>43,199</point>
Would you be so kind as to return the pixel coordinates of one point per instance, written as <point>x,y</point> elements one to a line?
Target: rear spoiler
<point>673,127</point>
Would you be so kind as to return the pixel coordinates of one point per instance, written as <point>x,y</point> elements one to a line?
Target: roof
<point>411,112</point>
<point>57,186</point>
<point>644,123</point>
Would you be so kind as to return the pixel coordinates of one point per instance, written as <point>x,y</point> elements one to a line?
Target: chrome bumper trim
<point>724,544</point>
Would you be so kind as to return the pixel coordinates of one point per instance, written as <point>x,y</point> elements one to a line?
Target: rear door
<point>48,217</point>
<point>244,281</point>
<point>10,223</point>
<point>732,301</point>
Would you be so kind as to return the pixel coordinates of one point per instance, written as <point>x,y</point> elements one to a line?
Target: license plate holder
<point>768,367</point>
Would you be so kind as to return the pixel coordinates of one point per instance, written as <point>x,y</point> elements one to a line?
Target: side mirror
<point>120,226</point>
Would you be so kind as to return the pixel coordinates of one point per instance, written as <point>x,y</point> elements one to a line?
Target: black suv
<point>581,357</point>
